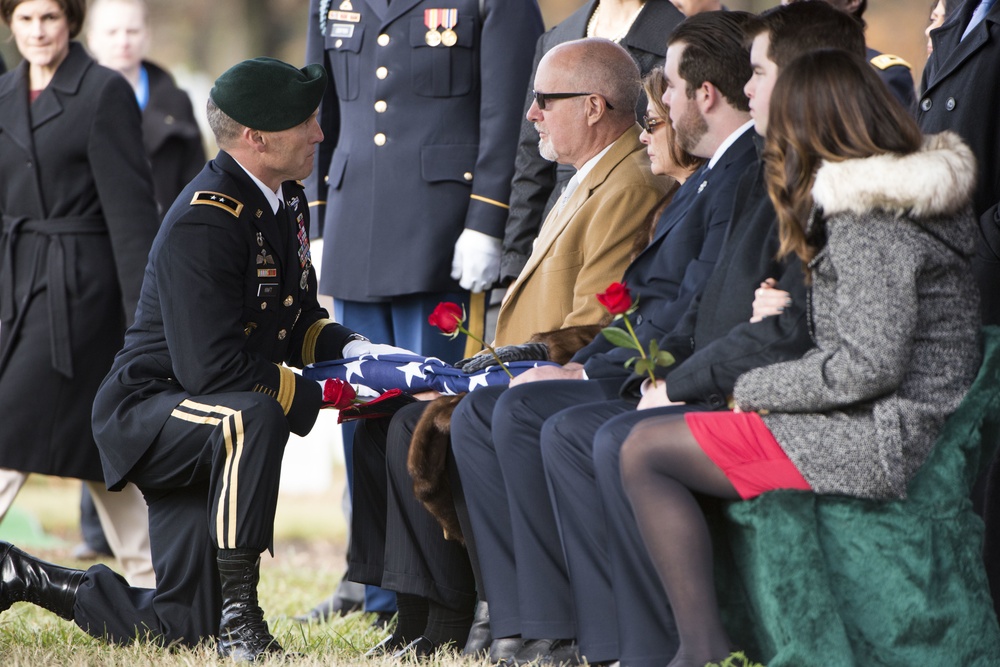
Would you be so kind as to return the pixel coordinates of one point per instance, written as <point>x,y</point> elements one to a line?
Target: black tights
<point>661,465</point>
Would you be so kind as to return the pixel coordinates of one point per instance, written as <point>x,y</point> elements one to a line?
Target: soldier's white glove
<point>356,348</point>
<point>476,263</point>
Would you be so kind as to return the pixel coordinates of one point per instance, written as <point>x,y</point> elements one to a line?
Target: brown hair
<point>655,84</point>
<point>75,11</point>
<point>714,52</point>
<point>826,105</point>
<point>801,27</point>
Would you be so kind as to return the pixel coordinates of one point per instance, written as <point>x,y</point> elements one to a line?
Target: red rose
<point>616,298</point>
<point>446,317</point>
<point>338,394</point>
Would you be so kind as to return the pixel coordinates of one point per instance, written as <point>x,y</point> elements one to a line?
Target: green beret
<point>268,94</point>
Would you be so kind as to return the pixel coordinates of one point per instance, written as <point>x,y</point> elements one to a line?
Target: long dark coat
<point>78,221</point>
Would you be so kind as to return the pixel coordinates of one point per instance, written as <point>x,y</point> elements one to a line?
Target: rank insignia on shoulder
<point>218,199</point>
<point>887,60</point>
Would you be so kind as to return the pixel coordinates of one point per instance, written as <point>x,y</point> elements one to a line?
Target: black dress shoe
<point>548,652</point>
<point>418,649</point>
<point>390,644</point>
<point>333,606</point>
<point>502,650</point>
<point>27,579</point>
<point>478,642</point>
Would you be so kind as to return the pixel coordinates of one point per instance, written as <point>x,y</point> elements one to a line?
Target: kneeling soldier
<point>198,406</point>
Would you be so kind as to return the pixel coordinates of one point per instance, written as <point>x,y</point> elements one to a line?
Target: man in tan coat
<point>585,96</point>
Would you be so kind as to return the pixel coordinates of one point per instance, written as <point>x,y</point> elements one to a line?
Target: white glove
<point>476,263</point>
<point>358,347</point>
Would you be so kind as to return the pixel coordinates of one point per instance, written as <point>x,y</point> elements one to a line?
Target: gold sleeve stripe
<point>476,323</point>
<point>286,388</point>
<point>489,201</point>
<point>319,202</point>
<point>199,413</point>
<point>309,342</point>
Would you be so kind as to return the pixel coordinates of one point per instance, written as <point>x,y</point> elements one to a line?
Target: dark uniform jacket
<point>895,74</point>
<point>229,295</point>
<point>420,139</point>
<point>171,136</point>
<point>539,182</point>
<point>78,221</point>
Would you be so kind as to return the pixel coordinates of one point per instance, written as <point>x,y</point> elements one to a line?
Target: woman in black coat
<point>78,221</point>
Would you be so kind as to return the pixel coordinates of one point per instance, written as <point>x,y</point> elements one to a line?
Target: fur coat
<point>895,322</point>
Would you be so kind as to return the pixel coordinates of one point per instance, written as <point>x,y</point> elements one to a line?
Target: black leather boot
<point>27,579</point>
<point>480,638</point>
<point>243,634</point>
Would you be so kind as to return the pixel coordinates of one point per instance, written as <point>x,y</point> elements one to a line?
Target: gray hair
<point>225,129</point>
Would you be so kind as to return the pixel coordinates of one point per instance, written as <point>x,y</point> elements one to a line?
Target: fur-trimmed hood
<point>937,180</point>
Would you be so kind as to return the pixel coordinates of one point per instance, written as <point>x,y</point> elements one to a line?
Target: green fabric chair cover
<point>827,581</point>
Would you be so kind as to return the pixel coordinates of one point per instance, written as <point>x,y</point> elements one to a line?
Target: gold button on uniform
<point>383,39</point>
<point>263,305</point>
<point>467,175</point>
<point>382,72</point>
<point>288,301</point>
<point>282,334</point>
<point>380,139</point>
<point>339,43</point>
<point>380,106</point>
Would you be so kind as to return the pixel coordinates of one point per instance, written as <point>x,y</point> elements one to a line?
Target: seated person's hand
<point>358,347</point>
<point>428,395</point>
<point>571,371</point>
<point>768,300</point>
<point>507,354</point>
<point>655,397</point>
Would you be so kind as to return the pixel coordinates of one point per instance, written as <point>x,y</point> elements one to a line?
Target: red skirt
<point>746,451</point>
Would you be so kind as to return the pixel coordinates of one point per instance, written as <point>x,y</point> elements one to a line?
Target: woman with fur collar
<point>880,217</point>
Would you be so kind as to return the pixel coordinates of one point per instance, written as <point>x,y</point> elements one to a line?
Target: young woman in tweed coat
<point>880,217</point>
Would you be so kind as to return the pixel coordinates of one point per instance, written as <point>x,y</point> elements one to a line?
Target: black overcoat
<point>171,136</point>
<point>78,221</point>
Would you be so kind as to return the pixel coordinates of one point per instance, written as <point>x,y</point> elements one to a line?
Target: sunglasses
<point>541,99</point>
<point>650,123</point>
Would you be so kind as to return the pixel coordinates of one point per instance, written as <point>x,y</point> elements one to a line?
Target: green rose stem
<point>459,327</point>
<point>642,352</point>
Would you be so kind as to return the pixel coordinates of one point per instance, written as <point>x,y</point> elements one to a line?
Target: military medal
<point>304,280</point>
<point>260,239</point>
<point>448,21</point>
<point>432,19</point>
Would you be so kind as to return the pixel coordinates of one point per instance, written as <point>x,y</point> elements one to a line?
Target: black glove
<point>507,354</point>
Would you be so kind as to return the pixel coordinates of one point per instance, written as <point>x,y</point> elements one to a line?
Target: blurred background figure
<point>118,36</point>
<point>894,71</point>
<point>939,12</point>
<point>78,223</point>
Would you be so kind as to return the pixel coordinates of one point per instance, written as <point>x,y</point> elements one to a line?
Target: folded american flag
<point>413,373</point>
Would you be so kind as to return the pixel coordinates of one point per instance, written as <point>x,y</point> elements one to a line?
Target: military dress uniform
<point>421,120</point>
<point>198,406</point>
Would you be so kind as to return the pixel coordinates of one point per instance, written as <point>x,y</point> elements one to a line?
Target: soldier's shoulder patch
<point>225,202</point>
<point>887,60</point>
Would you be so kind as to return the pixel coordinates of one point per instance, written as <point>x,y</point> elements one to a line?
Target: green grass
<point>309,560</point>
